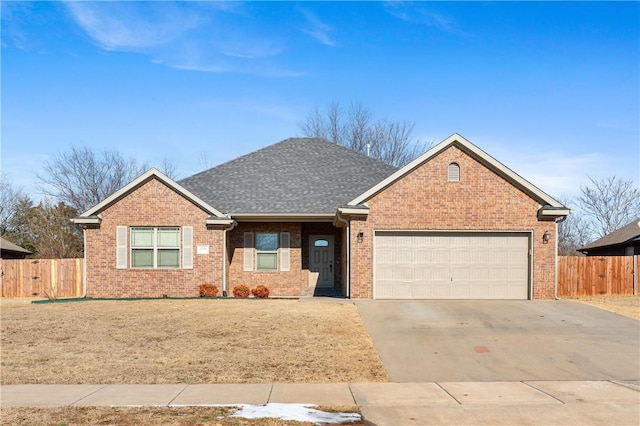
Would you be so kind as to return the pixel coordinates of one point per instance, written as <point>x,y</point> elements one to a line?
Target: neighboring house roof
<point>90,216</point>
<point>6,245</point>
<point>551,207</point>
<point>295,176</point>
<point>625,236</point>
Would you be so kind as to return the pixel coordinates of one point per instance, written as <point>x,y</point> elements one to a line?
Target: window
<point>453,172</point>
<point>321,243</point>
<point>155,247</point>
<point>267,251</point>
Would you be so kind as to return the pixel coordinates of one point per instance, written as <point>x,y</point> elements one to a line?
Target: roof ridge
<point>290,139</point>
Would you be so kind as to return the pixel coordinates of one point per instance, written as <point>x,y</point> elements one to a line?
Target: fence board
<point>53,278</point>
<point>593,275</point>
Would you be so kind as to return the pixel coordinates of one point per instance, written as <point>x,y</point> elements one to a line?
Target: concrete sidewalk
<point>531,402</point>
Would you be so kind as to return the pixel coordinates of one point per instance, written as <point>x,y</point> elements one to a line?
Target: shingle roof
<point>627,234</point>
<point>297,175</point>
<point>9,246</point>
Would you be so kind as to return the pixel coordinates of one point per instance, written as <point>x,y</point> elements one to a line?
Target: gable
<point>427,198</point>
<point>481,158</point>
<point>168,192</point>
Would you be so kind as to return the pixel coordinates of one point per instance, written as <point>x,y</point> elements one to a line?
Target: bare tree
<point>168,168</point>
<point>608,204</point>
<point>81,178</point>
<point>10,202</point>
<point>572,232</point>
<point>357,128</point>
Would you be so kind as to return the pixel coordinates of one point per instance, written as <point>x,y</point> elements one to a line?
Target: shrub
<point>260,292</point>
<point>241,291</point>
<point>208,290</point>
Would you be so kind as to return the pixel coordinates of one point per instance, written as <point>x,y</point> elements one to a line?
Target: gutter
<point>555,284</point>
<point>282,217</point>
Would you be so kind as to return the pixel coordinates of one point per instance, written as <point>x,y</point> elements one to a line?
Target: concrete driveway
<point>488,341</point>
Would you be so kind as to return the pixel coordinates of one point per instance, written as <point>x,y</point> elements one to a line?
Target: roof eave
<point>219,221</point>
<point>86,220</point>
<point>347,213</point>
<point>282,217</point>
<point>552,213</point>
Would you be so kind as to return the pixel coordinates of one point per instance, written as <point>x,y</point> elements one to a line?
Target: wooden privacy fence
<point>593,275</point>
<point>52,278</point>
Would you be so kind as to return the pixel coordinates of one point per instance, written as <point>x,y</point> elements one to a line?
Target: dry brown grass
<point>182,416</point>
<point>624,305</point>
<point>186,341</point>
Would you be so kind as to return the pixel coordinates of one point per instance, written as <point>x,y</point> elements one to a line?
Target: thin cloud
<point>554,171</point>
<point>317,29</point>
<point>417,13</point>
<point>132,26</point>
<point>204,37</point>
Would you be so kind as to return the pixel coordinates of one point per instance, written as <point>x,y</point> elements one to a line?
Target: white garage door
<point>451,265</point>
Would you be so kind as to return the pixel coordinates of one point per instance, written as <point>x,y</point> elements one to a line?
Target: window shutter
<point>187,247</point>
<point>248,251</point>
<point>284,251</point>
<point>121,247</point>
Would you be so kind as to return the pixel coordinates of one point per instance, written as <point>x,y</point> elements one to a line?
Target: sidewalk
<point>533,402</point>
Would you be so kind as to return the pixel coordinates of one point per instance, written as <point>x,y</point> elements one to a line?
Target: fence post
<point>54,279</point>
<point>635,274</point>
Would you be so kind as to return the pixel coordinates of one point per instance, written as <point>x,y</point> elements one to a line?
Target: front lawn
<point>624,305</point>
<point>186,341</point>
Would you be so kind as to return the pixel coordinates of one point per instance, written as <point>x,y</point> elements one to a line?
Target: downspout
<point>348,259</point>
<point>224,258</point>
<point>555,283</point>
<point>84,262</point>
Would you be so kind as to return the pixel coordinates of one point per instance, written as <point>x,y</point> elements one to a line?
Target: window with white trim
<point>155,247</point>
<point>453,172</point>
<point>266,251</point>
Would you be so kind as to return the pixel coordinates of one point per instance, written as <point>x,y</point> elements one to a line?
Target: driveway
<point>487,341</point>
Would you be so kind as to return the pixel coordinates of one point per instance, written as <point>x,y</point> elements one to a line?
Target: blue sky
<point>550,89</point>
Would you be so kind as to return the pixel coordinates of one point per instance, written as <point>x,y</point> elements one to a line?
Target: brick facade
<point>292,283</point>
<point>422,200</point>
<point>480,201</point>
<point>152,204</point>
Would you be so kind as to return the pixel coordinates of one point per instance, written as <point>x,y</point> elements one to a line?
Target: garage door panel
<point>451,266</point>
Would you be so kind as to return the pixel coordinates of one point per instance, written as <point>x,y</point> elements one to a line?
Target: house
<point>308,217</point>
<point>623,242</point>
<point>9,250</point>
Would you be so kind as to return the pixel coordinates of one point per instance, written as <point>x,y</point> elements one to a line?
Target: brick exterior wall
<point>425,200</point>
<point>292,283</point>
<point>279,283</point>
<point>152,204</point>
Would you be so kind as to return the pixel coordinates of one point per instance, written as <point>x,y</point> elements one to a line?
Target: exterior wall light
<point>360,236</point>
<point>546,237</point>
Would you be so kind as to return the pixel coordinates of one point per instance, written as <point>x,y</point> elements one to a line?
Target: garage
<point>451,265</point>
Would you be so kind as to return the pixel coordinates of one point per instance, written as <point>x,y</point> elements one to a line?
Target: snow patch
<point>298,412</point>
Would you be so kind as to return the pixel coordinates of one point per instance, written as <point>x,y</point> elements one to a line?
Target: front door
<point>321,261</point>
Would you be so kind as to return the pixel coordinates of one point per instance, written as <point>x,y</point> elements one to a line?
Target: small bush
<point>208,290</point>
<point>260,292</point>
<point>241,291</point>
